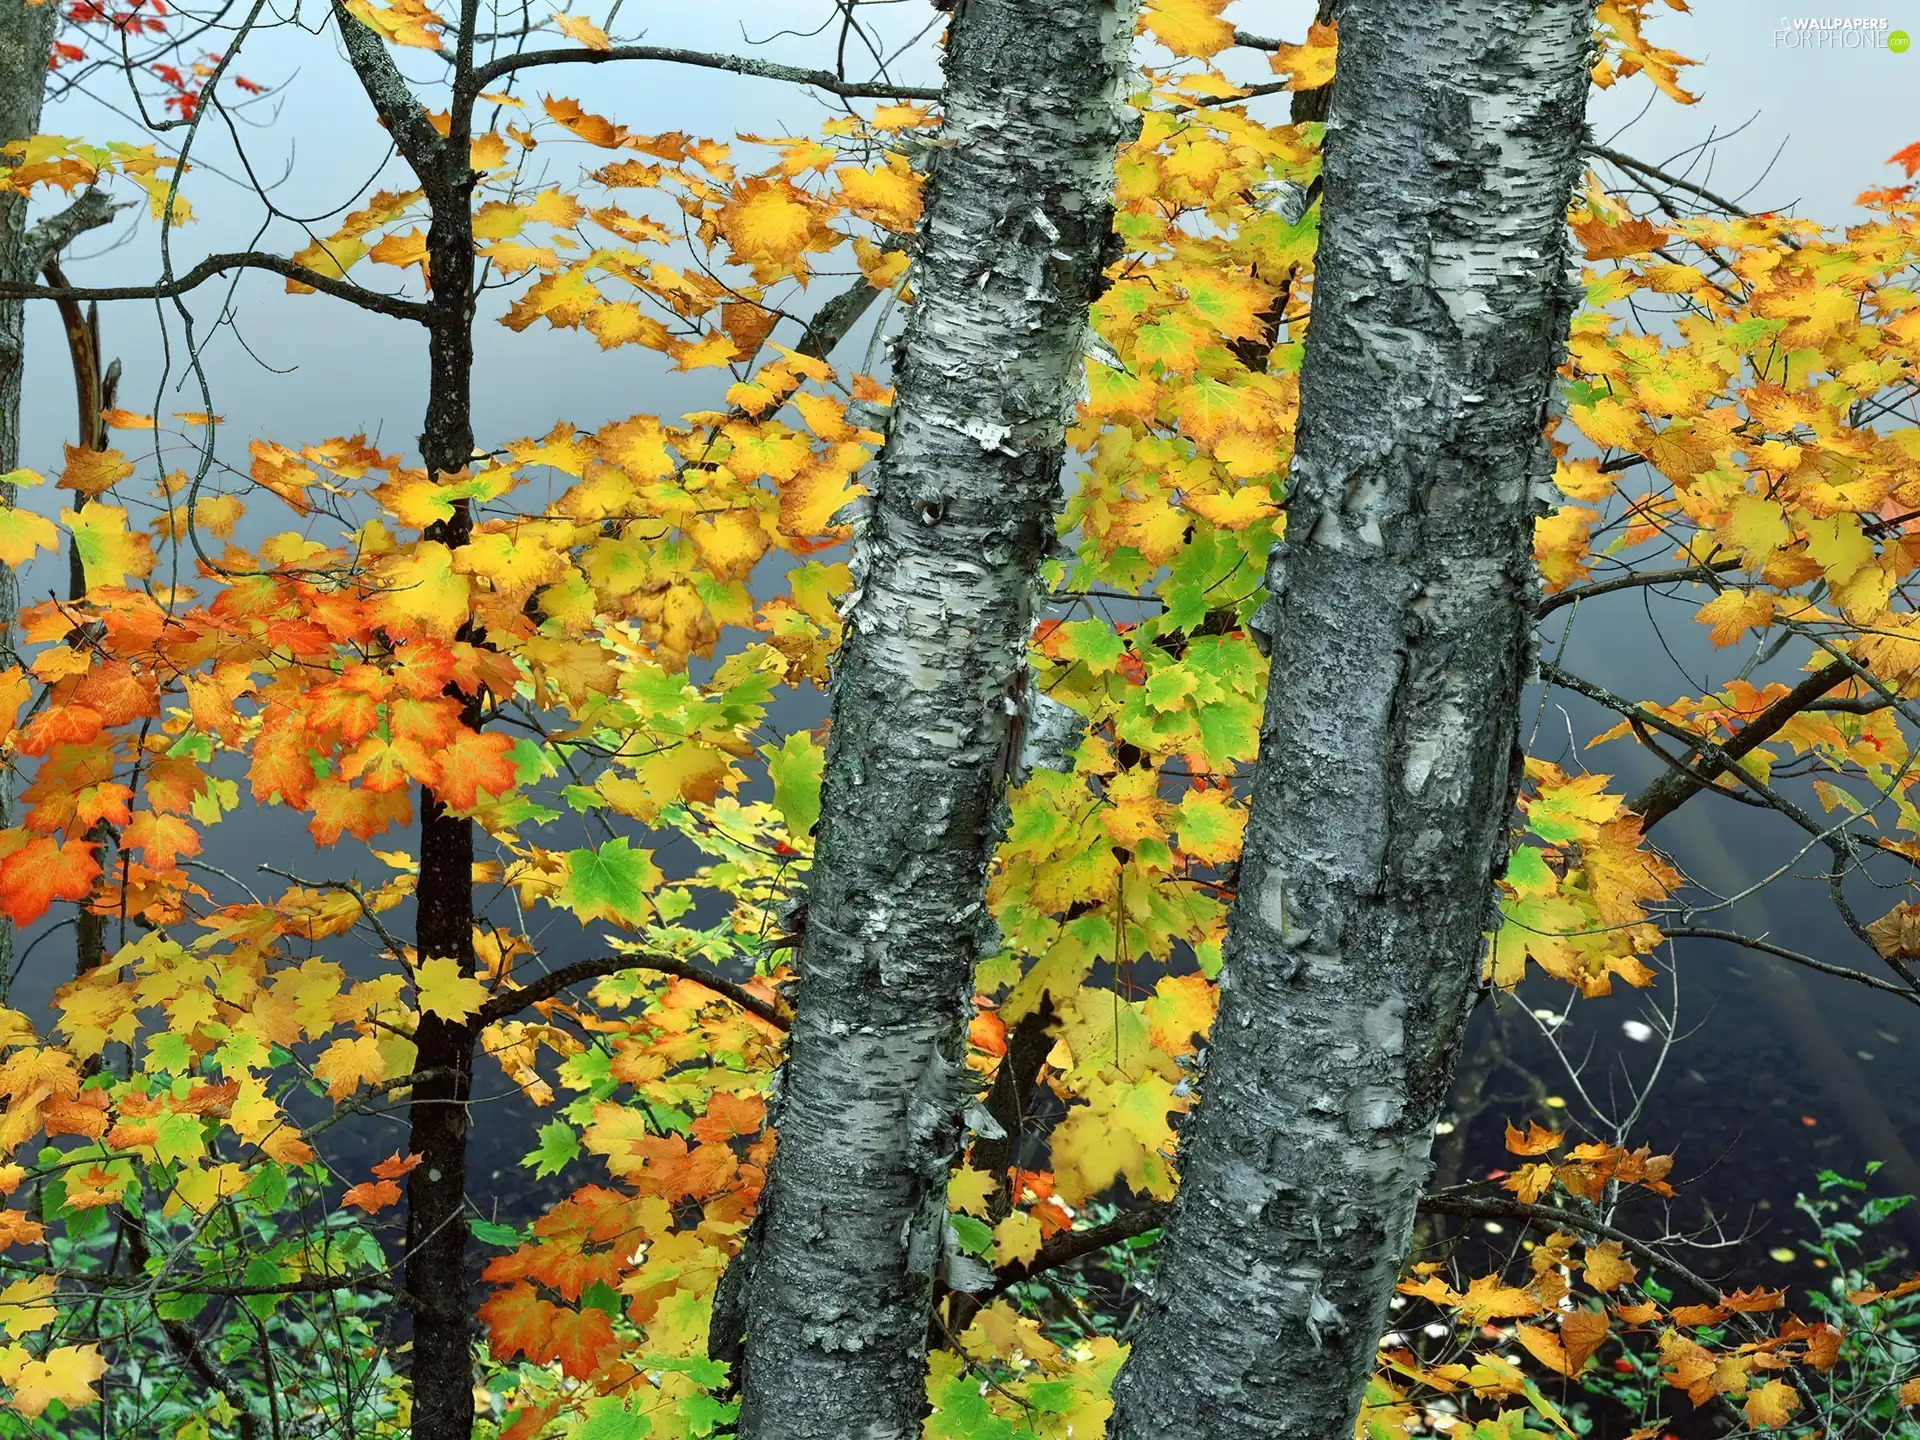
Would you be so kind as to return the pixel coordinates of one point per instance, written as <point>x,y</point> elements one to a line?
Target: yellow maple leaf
<point>1309,65</point>
<point>91,471</point>
<point>582,31</point>
<point>1607,1268</point>
<point>968,1191</point>
<point>422,594</point>
<point>445,992</point>
<point>1774,1403</point>
<point>109,552</point>
<point>402,22</point>
<point>889,194</point>
<point>349,1063</point>
<point>1732,613</point>
<point>25,1306</point>
<point>22,532</point>
<point>1188,27</point>
<point>66,1374</point>
<point>1757,527</point>
<point>768,219</point>
<point>401,250</point>
<point>1016,1239</point>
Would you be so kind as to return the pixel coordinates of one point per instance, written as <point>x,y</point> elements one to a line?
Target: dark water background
<point>1767,1084</point>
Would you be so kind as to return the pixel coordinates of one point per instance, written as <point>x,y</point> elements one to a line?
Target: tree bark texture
<point>26,45</point>
<point>1399,633</point>
<point>437,1279</point>
<point>870,1118</point>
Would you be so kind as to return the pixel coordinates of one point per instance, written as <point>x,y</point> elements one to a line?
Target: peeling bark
<point>26,45</point>
<point>871,1115</point>
<point>1399,631</point>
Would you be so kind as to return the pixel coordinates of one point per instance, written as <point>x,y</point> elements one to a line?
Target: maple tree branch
<point>393,99</point>
<point>511,1002</point>
<point>401,309</point>
<point>387,937</point>
<point>1071,1245</point>
<point>186,1342</point>
<point>733,64</point>
<point>1719,757</point>
<point>1840,840</point>
<point>1475,1207</point>
<point>1247,92</point>
<point>1767,947</point>
<point>1660,797</point>
<point>89,211</point>
<point>1665,177</point>
<point>1639,579</point>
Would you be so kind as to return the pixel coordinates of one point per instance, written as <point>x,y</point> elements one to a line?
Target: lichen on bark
<point>1399,628</point>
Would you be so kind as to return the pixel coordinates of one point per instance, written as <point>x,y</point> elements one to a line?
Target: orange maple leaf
<point>372,1195</point>
<point>474,762</point>
<point>520,1322</point>
<point>35,874</point>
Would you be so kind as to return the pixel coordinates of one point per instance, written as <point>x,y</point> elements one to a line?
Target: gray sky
<point>342,371</point>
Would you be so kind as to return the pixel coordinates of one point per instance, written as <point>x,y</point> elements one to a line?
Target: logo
<point>1840,33</point>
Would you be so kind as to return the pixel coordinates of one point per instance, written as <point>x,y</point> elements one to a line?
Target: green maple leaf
<point>179,1138</point>
<point>609,883</point>
<point>169,1052</point>
<point>609,1419</point>
<point>794,766</point>
<point>558,1145</point>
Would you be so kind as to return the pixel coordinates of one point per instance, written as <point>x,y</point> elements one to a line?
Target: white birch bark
<point>1018,210</point>
<point>1399,634</point>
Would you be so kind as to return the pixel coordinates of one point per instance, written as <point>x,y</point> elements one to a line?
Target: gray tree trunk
<point>1399,633</point>
<point>26,44</point>
<point>1018,211</point>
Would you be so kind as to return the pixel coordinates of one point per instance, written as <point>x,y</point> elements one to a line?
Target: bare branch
<point>89,211</point>
<point>1637,580</point>
<point>1767,947</point>
<point>215,265</point>
<point>1474,1207</point>
<point>511,1002</point>
<point>1654,172</point>
<point>1665,794</point>
<point>1071,1245</point>
<point>734,64</point>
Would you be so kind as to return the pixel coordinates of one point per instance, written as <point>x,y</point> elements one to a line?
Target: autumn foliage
<point>279,624</point>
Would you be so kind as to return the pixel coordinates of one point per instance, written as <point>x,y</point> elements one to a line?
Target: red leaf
<point>395,1168</point>
<point>1907,159</point>
<point>476,761</point>
<point>36,874</point>
<point>372,1195</point>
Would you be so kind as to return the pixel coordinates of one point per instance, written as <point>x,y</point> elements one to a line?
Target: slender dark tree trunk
<point>436,1264</point>
<point>94,382</point>
<point>26,45</point>
<point>925,699</point>
<point>1399,630</point>
<point>436,1268</point>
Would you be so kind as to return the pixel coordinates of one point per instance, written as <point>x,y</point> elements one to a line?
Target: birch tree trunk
<point>1399,630</point>
<point>26,44</point>
<point>1017,215</point>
